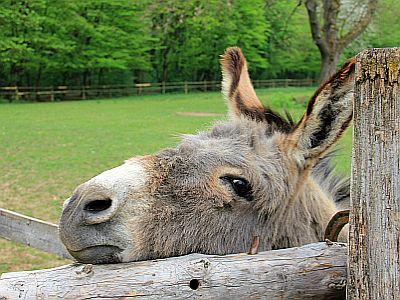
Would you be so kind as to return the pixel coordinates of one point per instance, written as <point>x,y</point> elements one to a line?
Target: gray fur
<point>178,200</point>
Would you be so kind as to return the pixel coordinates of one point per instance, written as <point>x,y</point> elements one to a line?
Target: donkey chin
<point>104,254</point>
<point>88,246</point>
<point>91,247</point>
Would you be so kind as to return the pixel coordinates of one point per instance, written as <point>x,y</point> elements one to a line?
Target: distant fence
<point>59,93</point>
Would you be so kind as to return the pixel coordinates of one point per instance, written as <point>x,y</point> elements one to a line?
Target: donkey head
<point>254,175</point>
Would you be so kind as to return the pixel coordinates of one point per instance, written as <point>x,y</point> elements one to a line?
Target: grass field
<point>47,149</point>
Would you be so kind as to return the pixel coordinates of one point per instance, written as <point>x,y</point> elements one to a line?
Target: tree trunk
<point>39,75</point>
<point>100,76</point>
<point>374,243</point>
<point>326,36</point>
<point>13,75</point>
<point>329,62</point>
<point>86,77</point>
<point>164,66</point>
<point>64,77</point>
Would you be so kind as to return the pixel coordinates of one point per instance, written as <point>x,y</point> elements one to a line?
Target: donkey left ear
<point>328,114</point>
<point>237,88</point>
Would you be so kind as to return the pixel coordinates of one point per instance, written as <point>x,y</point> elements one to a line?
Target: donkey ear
<point>328,114</point>
<point>237,88</point>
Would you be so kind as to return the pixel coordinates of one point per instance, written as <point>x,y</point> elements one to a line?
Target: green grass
<point>47,149</point>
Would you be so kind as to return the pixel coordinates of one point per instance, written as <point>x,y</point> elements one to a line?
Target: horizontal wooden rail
<point>31,232</point>
<point>58,93</point>
<point>314,271</point>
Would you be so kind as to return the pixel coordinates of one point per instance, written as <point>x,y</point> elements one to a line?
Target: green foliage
<point>193,34</point>
<point>72,42</point>
<point>291,52</point>
<point>59,42</point>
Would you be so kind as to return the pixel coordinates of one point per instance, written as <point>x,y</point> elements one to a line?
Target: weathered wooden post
<point>286,83</point>
<point>16,97</point>
<point>83,94</point>
<point>315,271</point>
<point>374,245</point>
<point>52,94</point>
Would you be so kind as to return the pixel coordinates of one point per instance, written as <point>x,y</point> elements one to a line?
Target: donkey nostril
<point>98,205</point>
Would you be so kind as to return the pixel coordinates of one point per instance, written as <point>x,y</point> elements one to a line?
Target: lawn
<point>47,149</point>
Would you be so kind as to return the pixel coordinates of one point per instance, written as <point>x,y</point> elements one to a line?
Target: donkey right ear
<point>328,114</point>
<point>237,88</point>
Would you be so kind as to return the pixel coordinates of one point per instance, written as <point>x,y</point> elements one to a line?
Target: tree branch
<point>311,7</point>
<point>360,26</point>
<point>331,12</point>
<point>285,27</point>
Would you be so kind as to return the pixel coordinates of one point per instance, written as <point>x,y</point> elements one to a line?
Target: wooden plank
<point>374,244</point>
<point>32,232</point>
<point>9,88</point>
<point>314,271</point>
<point>143,84</point>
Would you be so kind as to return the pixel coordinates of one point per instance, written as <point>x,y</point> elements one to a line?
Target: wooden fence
<point>374,243</point>
<point>314,271</point>
<point>59,93</point>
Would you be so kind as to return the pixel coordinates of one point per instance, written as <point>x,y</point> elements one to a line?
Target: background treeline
<point>95,42</point>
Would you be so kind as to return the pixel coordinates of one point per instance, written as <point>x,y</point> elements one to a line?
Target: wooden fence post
<point>16,98</point>
<point>374,235</point>
<point>286,83</point>
<point>52,94</point>
<point>83,94</point>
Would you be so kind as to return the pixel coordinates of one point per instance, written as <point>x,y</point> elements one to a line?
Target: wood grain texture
<point>31,232</point>
<point>314,271</point>
<point>374,245</point>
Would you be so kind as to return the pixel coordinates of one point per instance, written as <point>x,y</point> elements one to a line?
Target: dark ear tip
<point>350,64</point>
<point>233,51</point>
<point>232,58</point>
<point>345,71</point>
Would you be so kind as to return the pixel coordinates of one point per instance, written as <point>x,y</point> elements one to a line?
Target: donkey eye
<point>241,186</point>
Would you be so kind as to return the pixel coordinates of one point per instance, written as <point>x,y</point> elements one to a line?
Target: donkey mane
<point>331,182</point>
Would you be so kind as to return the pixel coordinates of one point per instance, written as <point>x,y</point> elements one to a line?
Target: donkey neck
<point>304,220</point>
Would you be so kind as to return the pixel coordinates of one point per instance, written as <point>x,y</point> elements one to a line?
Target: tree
<point>20,27</point>
<point>96,42</point>
<point>290,52</point>
<point>383,31</point>
<point>107,36</point>
<point>45,42</point>
<point>193,33</point>
<point>343,22</point>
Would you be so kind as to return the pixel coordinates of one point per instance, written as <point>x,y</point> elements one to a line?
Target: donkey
<point>257,174</point>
